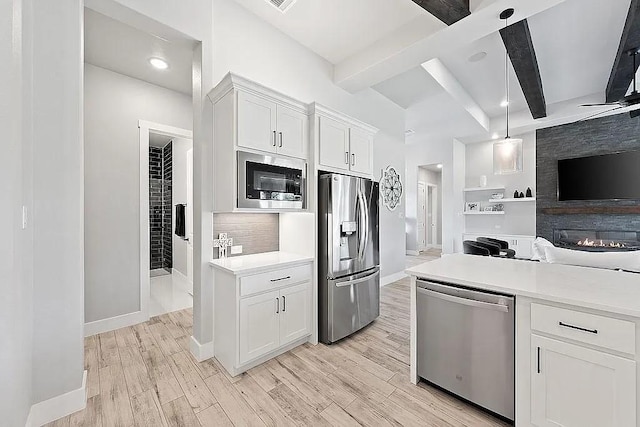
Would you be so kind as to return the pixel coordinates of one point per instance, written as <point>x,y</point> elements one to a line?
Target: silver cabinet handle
<point>465,301</point>
<point>274,138</point>
<point>346,157</point>
<point>282,278</point>
<point>280,139</point>
<point>353,159</point>
<point>578,328</point>
<point>284,303</point>
<point>277,305</point>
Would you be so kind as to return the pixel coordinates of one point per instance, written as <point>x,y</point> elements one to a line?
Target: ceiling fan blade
<point>600,113</point>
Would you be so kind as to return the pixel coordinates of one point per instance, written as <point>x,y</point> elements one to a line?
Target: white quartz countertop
<point>256,263</point>
<point>607,290</point>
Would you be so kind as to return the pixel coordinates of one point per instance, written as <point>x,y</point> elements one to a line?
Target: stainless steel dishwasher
<point>466,344</point>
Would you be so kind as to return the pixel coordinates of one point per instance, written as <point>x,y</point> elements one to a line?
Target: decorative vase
<point>529,193</point>
<point>521,196</point>
<point>516,194</point>
<point>483,180</point>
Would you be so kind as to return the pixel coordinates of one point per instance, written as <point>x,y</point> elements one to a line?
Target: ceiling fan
<point>630,100</point>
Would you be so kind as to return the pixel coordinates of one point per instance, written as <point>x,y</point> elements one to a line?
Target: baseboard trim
<point>386,280</point>
<point>413,253</point>
<point>58,407</point>
<point>113,323</point>
<point>201,351</point>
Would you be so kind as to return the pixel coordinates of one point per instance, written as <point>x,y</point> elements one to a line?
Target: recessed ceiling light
<point>159,63</point>
<point>477,57</point>
<point>495,136</point>
<point>504,103</point>
<point>409,132</point>
<point>439,165</point>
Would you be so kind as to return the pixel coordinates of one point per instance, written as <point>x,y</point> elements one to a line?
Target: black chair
<point>474,248</point>
<point>504,246</point>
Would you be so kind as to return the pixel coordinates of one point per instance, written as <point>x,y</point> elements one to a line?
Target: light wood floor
<point>145,375</point>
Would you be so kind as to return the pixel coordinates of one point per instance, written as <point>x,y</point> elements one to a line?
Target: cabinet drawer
<point>614,334</point>
<point>256,283</point>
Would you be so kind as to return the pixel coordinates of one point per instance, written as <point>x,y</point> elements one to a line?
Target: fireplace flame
<point>600,243</point>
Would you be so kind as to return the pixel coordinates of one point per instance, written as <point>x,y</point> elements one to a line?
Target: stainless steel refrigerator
<point>349,260</point>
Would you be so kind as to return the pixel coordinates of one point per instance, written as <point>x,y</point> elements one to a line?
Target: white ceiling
<point>575,42</point>
<point>158,140</point>
<point>338,29</point>
<point>409,88</point>
<point>126,50</point>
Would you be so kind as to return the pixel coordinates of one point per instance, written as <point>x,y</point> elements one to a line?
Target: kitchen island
<point>576,336</point>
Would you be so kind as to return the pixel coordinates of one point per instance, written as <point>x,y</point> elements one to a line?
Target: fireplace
<point>597,240</point>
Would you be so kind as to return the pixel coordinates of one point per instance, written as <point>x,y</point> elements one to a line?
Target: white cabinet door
<point>259,325</point>
<point>256,122</point>
<point>361,151</point>
<point>572,386</point>
<point>295,313</point>
<point>334,144</point>
<point>293,132</point>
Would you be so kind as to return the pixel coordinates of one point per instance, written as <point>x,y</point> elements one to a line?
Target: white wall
<point>519,218</point>
<point>250,47</point>
<point>451,154</point>
<point>113,105</point>
<point>179,148</point>
<point>16,245</point>
<point>57,211</point>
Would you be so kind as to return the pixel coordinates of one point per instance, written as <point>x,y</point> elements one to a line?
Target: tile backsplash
<point>256,233</point>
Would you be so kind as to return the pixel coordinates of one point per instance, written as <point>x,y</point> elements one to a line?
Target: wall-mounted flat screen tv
<point>606,177</point>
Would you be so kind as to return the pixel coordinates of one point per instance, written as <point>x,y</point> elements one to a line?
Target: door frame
<point>147,127</point>
<point>433,208</point>
<point>424,235</point>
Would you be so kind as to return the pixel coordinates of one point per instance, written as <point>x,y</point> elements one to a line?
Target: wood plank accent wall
<point>592,137</point>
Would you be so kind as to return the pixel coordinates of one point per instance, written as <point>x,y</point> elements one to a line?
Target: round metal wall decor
<point>391,188</point>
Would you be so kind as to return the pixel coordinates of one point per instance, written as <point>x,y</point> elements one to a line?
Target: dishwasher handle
<point>466,301</point>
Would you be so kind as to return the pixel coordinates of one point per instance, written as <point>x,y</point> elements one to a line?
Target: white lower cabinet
<point>259,316</point>
<point>259,325</point>
<point>574,386</point>
<point>295,313</point>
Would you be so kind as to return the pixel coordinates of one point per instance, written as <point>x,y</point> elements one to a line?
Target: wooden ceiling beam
<point>517,40</point>
<point>448,11</point>
<point>621,72</point>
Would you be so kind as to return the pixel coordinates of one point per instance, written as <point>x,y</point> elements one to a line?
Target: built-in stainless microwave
<point>269,182</point>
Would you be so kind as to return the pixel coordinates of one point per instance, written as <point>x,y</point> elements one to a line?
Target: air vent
<point>282,5</point>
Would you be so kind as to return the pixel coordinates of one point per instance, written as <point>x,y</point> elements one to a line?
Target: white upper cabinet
<point>256,122</point>
<point>343,144</point>
<point>361,150</point>
<point>334,144</point>
<point>292,138</point>
<point>576,386</point>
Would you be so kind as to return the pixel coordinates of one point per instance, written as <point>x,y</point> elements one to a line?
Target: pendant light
<point>507,153</point>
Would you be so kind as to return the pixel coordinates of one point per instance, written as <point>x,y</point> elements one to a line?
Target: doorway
<point>166,190</point>
<point>429,217</point>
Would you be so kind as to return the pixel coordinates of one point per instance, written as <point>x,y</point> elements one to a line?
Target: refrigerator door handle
<point>356,281</point>
<point>362,226</point>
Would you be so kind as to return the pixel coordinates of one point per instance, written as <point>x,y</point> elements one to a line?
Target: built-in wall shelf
<point>484,213</point>
<point>471,189</point>
<point>585,210</point>
<point>512,200</point>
